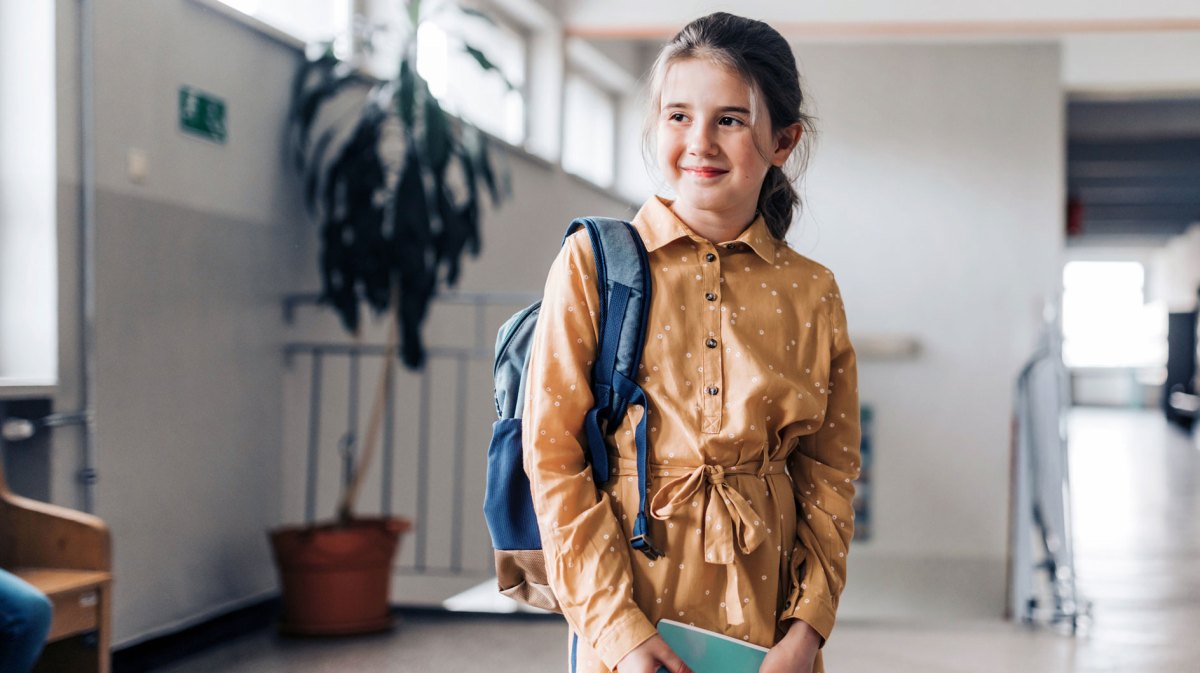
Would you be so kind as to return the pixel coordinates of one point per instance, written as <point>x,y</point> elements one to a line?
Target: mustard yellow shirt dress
<point>753,444</point>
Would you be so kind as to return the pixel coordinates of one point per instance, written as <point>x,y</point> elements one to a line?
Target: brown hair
<point>763,58</point>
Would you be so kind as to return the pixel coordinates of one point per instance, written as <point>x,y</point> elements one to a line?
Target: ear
<point>785,142</point>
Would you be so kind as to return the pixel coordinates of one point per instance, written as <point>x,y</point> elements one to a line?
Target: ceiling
<point>857,19</point>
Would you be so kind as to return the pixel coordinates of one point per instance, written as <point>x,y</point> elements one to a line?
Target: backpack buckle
<point>642,543</point>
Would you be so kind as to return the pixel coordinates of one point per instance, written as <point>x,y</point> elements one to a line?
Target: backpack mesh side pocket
<point>522,577</point>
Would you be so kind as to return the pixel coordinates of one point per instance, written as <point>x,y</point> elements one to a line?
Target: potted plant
<point>395,183</point>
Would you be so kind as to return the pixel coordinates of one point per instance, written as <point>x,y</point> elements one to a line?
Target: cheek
<point>752,163</point>
<point>668,152</point>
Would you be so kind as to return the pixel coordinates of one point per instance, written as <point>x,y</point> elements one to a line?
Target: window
<point>461,85</point>
<point>454,76</point>
<point>29,269</point>
<point>307,20</point>
<point>589,130</point>
<point>1106,320</point>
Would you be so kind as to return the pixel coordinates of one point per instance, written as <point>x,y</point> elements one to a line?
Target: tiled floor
<point>1137,512</point>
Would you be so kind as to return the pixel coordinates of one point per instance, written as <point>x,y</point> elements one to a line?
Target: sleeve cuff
<point>816,613</point>
<point>622,637</point>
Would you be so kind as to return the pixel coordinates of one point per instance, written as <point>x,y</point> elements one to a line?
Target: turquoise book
<point>708,652</point>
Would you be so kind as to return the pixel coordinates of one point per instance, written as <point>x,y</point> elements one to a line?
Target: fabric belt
<point>729,519</point>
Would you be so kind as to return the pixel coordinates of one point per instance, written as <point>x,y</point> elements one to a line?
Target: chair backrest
<point>38,534</point>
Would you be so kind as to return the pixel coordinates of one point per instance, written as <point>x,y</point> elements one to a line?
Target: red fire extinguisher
<point>1074,216</point>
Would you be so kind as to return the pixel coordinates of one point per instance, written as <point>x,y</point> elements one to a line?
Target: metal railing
<point>1042,587</point>
<point>359,359</point>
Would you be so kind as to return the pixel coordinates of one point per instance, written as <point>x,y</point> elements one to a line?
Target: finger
<point>674,664</point>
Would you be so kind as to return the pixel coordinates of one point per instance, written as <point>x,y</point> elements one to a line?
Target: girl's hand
<point>795,653</point>
<point>650,656</point>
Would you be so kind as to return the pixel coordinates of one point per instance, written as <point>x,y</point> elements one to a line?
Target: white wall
<point>189,267</point>
<point>1162,62</point>
<point>935,195</point>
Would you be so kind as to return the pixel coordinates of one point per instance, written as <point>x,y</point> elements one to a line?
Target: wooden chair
<point>67,555</point>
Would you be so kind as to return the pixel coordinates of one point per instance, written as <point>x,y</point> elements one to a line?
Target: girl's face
<point>708,151</point>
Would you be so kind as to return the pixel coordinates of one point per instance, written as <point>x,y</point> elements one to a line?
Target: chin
<point>702,199</point>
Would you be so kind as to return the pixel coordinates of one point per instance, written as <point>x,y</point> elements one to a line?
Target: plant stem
<point>346,507</point>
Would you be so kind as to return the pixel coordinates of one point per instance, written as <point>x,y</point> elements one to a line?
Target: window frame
<point>614,98</point>
<point>276,32</point>
<point>524,34</point>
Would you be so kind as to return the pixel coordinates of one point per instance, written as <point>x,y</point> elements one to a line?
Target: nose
<point>700,140</point>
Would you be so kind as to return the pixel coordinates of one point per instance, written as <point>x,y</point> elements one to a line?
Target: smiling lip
<point>705,172</point>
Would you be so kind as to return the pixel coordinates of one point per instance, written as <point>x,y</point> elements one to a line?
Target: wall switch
<point>137,165</point>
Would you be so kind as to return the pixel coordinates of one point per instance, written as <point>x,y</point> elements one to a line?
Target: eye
<point>730,121</point>
<point>676,116</point>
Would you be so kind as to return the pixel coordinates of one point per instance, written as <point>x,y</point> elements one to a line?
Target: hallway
<point>1136,484</point>
<point>1137,494</point>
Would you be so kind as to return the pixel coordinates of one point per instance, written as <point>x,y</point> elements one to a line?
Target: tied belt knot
<point>730,521</point>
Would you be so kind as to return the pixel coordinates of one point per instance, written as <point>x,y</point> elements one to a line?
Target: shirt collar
<point>658,226</point>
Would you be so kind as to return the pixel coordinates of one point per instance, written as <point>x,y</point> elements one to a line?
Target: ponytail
<point>777,201</point>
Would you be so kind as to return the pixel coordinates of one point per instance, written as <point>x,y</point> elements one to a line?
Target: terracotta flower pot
<point>335,578</point>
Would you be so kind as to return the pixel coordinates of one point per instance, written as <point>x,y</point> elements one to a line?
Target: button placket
<point>711,389</point>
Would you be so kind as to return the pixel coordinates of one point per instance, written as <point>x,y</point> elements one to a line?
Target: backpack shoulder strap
<point>623,280</point>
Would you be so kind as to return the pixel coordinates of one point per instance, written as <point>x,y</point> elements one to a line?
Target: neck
<point>716,226</point>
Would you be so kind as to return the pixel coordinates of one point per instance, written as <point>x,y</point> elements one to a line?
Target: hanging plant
<point>393,180</point>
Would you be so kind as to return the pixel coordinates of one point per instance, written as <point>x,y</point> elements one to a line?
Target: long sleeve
<point>823,470</point>
<point>587,554</point>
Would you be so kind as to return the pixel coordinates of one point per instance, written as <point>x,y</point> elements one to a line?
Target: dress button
<point>709,257</point>
<point>711,343</point>
<point>710,296</point>
<point>714,390</point>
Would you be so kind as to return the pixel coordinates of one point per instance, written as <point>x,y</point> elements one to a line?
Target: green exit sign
<point>201,114</point>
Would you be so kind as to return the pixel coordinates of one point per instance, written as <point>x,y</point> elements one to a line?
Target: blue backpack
<point>623,278</point>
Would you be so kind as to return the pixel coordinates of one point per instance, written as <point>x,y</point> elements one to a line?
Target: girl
<point>750,378</point>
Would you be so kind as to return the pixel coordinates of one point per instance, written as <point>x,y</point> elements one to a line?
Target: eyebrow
<point>727,108</point>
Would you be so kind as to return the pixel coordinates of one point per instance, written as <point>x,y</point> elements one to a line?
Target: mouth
<point>705,172</point>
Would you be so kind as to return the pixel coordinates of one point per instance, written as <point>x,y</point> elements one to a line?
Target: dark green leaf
<point>331,81</point>
<point>469,210</point>
<point>312,173</point>
<point>472,12</point>
<point>438,139</point>
<point>414,13</point>
<point>486,63</point>
<point>351,257</point>
<point>406,95</point>
<point>413,238</point>
<point>483,168</point>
